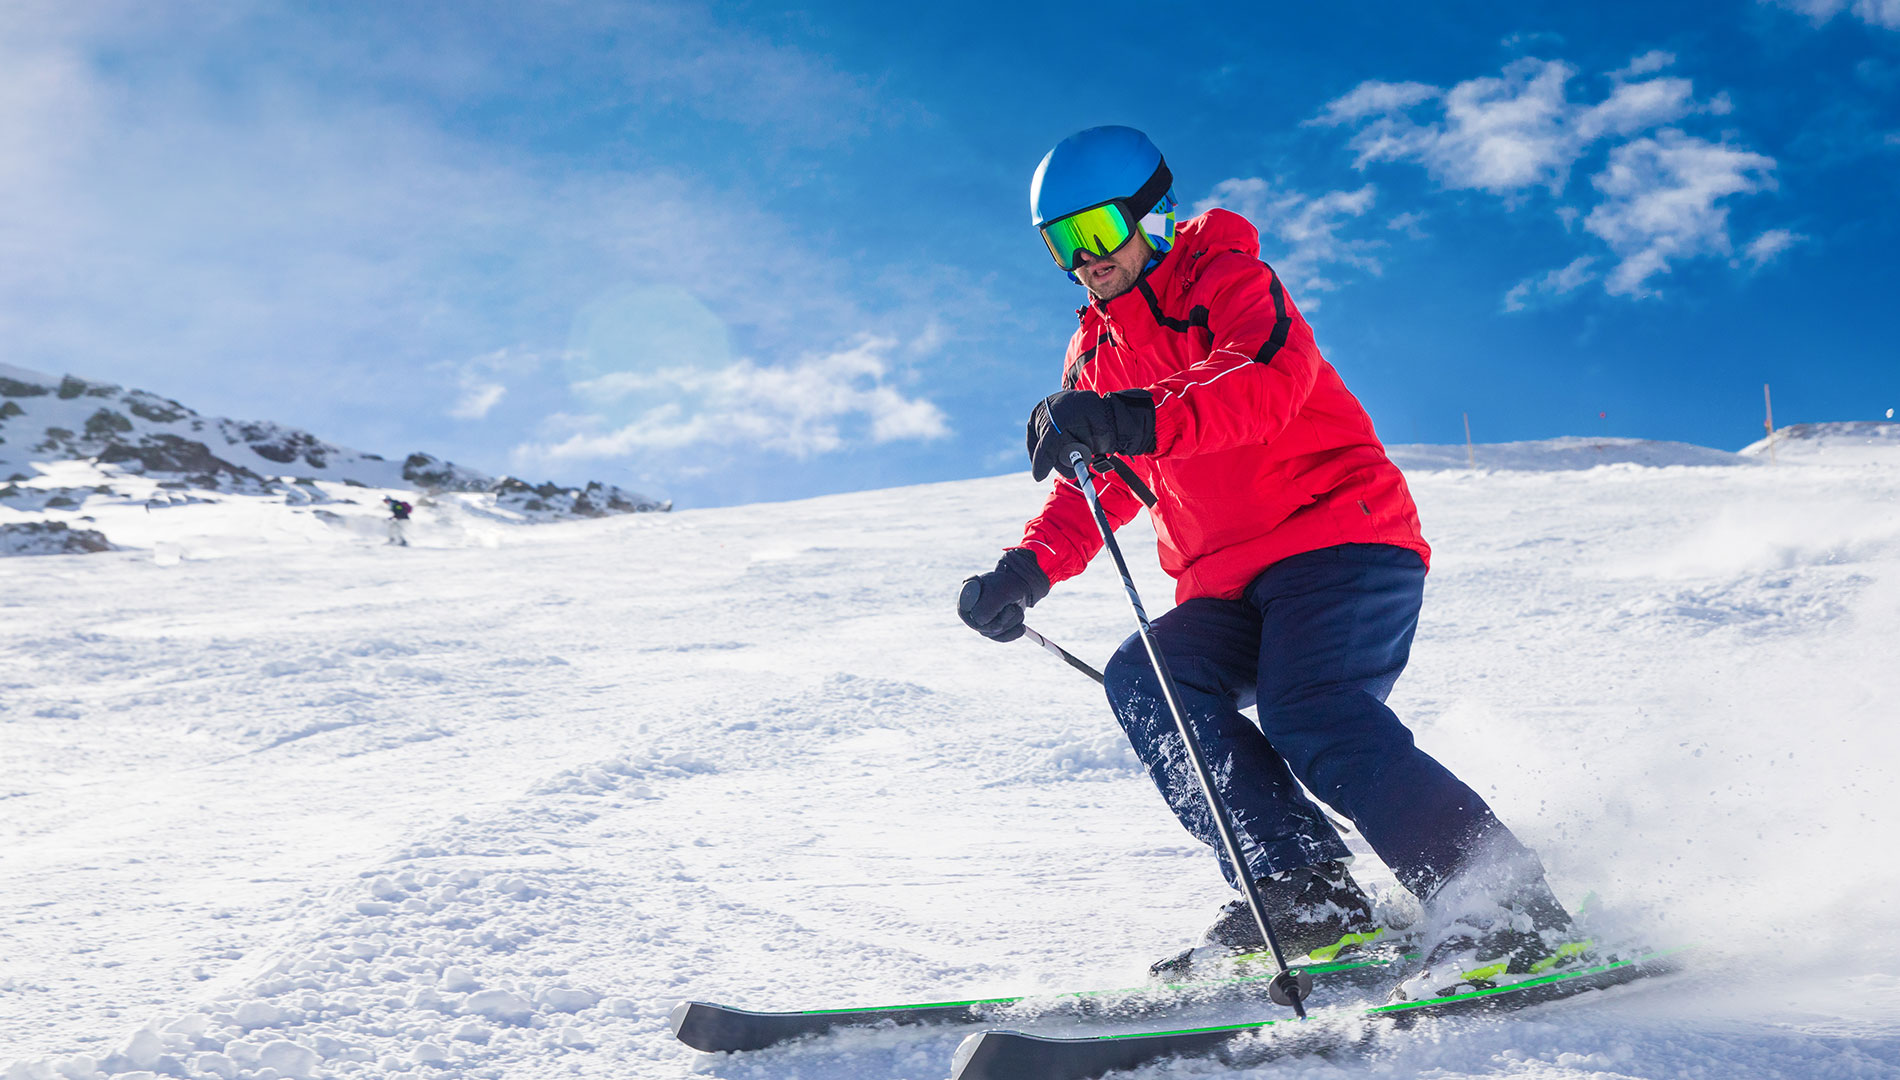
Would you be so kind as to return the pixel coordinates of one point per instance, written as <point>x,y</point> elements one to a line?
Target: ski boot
<point>1319,915</point>
<point>1493,942</point>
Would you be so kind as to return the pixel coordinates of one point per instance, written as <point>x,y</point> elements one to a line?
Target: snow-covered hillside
<point>490,809</point>
<point>87,457</point>
<point>1871,441</point>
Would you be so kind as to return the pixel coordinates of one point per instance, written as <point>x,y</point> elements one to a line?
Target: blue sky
<point>741,251</point>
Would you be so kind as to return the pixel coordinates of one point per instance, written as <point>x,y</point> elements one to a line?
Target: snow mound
<point>1560,455</point>
<point>1850,442</point>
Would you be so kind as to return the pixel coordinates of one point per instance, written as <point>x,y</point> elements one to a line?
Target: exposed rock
<point>72,386</point>
<point>105,423</point>
<point>16,388</point>
<point>435,475</point>
<point>49,538</point>
<point>159,453</point>
<point>154,408</point>
<point>279,444</point>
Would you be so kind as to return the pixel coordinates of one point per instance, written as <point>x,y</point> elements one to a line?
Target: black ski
<point>1014,1055</point>
<point>705,1026</point>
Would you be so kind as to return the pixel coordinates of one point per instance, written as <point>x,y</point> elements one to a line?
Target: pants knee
<point>1130,683</point>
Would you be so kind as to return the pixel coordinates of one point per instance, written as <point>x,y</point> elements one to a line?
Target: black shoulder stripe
<point>1074,373</point>
<point>1282,325</point>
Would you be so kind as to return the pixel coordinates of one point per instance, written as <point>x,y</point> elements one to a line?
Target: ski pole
<point>1082,666</point>
<point>1062,654</point>
<point>1288,987</point>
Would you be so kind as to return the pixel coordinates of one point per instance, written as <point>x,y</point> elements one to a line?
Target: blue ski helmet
<point>1101,165</point>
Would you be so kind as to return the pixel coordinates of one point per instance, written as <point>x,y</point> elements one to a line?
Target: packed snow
<point>282,801</point>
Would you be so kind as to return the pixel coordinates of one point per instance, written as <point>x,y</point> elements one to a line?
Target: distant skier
<point>398,514</point>
<point>1299,570</point>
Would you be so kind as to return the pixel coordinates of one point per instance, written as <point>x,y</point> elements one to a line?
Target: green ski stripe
<point>1151,988</point>
<point>1545,980</point>
<point>1389,1010</point>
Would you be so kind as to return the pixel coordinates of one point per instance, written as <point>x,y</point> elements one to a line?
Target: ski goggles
<point>1098,230</point>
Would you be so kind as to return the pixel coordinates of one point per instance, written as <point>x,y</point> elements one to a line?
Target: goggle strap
<point>1151,192</point>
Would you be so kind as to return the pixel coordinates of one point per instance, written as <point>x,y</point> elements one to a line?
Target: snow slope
<point>487,809</point>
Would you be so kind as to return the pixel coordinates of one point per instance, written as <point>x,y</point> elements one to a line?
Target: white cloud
<point>1663,202</point>
<point>1306,228</point>
<point>1765,248</point>
<point>1879,12</point>
<point>1374,98</point>
<point>1634,107</point>
<point>1882,13</point>
<point>817,405</point>
<point>1512,132</point>
<point>1558,282</point>
<point>1408,223</point>
<point>1647,64</point>
<point>1661,196</point>
<point>477,381</point>
<point>1495,134</point>
<point>477,400</point>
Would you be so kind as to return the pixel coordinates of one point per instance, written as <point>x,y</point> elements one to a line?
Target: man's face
<point>1108,276</point>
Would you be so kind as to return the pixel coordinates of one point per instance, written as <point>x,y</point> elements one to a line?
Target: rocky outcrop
<point>49,538</point>
<point>44,419</point>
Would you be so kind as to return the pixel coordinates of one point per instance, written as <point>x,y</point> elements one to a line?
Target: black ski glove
<point>1119,423</point>
<point>992,604</point>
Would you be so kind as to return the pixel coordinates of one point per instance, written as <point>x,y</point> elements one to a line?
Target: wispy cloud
<point>1507,133</point>
<point>477,400</point>
<point>1559,282</point>
<point>1374,98</point>
<point>1300,233</point>
<point>1767,247</point>
<point>479,381</point>
<point>1408,223</point>
<point>815,405</point>
<point>1647,64</point>
<point>1660,195</point>
<point>1882,13</point>
<point>1494,134</point>
<point>1663,202</point>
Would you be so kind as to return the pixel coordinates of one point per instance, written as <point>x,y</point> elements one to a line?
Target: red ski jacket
<point>1260,450</point>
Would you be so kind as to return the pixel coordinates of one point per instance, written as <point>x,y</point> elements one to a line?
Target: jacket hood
<point>1216,230</point>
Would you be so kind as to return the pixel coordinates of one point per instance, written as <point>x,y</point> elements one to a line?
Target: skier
<point>1299,569</point>
<point>398,514</point>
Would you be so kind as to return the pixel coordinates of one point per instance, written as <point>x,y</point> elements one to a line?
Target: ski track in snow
<point>489,809</point>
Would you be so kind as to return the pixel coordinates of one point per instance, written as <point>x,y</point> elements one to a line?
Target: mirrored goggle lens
<point>1099,230</point>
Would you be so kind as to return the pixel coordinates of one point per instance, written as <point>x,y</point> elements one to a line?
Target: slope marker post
<point>1769,423</point>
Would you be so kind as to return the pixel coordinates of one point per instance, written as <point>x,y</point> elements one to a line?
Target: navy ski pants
<point>1316,641</point>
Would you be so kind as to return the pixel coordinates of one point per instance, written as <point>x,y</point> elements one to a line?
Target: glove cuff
<point>1134,415</point>
<point>1020,563</point>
